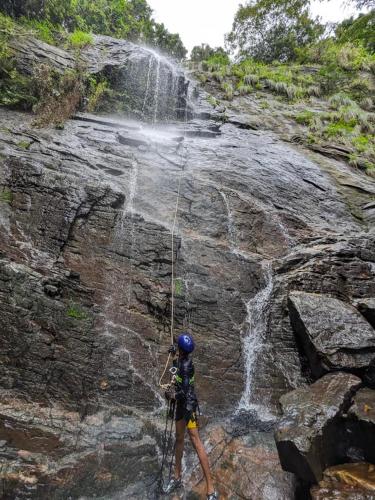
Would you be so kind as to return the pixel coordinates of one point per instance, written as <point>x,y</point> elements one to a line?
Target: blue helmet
<point>186,343</point>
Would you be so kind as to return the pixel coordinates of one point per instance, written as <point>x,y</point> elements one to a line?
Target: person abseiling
<point>186,416</point>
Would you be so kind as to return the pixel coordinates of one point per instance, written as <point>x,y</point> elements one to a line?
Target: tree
<point>201,52</point>
<point>269,30</point>
<point>168,42</point>
<point>358,30</point>
<point>204,51</point>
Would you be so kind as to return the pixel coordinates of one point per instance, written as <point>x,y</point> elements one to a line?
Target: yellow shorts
<point>180,414</point>
<point>193,422</point>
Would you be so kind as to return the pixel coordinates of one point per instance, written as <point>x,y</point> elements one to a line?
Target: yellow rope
<point>166,386</point>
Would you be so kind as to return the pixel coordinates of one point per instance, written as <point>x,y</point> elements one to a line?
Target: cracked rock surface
<point>85,289</point>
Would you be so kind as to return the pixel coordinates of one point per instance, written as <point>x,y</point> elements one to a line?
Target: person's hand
<point>172,350</point>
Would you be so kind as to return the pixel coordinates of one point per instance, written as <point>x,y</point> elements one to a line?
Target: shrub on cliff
<point>128,19</point>
<point>15,89</point>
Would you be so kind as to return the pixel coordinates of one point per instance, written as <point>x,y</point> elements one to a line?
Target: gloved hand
<point>172,350</point>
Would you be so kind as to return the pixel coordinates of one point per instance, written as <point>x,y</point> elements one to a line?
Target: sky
<point>207,21</point>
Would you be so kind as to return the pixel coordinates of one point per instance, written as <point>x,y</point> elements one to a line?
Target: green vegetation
<point>204,52</point>
<point>58,95</point>
<point>358,30</point>
<point>269,30</point>
<point>178,287</point>
<point>15,89</point>
<point>24,144</point>
<point>280,49</point>
<point>79,39</point>
<point>6,195</point>
<point>212,100</point>
<point>53,96</point>
<point>76,312</point>
<point>128,19</point>
<point>98,89</point>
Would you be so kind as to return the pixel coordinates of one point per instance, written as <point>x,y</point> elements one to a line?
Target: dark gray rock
<point>361,425</point>
<point>333,335</point>
<point>30,52</point>
<point>306,434</point>
<point>367,308</point>
<point>85,291</point>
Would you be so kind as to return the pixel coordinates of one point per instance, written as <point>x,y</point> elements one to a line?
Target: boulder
<point>354,481</point>
<point>367,308</point>
<point>360,426</point>
<point>332,334</point>
<point>243,467</point>
<point>306,436</point>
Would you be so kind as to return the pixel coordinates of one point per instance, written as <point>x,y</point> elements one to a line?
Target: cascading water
<point>232,236</point>
<point>150,61</point>
<point>157,88</point>
<point>254,335</point>
<point>154,88</point>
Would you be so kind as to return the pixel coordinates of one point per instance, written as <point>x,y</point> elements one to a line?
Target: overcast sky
<point>206,21</point>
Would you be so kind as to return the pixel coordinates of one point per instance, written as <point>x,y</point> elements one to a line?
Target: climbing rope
<point>167,386</point>
<point>168,438</point>
<point>167,448</point>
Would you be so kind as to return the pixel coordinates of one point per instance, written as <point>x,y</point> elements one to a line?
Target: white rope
<point>166,386</point>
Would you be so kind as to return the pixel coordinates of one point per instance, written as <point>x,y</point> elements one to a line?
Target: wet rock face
<point>48,452</point>
<point>152,87</point>
<point>85,280</point>
<point>307,436</point>
<point>334,335</point>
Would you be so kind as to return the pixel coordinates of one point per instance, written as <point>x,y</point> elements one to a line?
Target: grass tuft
<point>6,195</point>
<point>79,39</point>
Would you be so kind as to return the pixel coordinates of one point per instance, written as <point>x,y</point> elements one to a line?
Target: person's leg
<point>202,455</point>
<point>180,437</point>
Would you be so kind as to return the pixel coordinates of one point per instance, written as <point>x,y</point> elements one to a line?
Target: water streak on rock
<point>256,328</point>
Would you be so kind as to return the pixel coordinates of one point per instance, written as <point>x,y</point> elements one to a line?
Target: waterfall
<point>157,87</point>
<point>154,88</point>
<point>232,234</point>
<point>254,335</point>
<point>150,60</point>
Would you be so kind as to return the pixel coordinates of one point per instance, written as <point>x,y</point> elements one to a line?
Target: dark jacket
<point>185,393</point>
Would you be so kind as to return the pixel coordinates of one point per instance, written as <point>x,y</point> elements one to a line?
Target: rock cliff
<point>85,271</point>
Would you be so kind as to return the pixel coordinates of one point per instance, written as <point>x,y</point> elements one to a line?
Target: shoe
<point>213,496</point>
<point>173,485</point>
